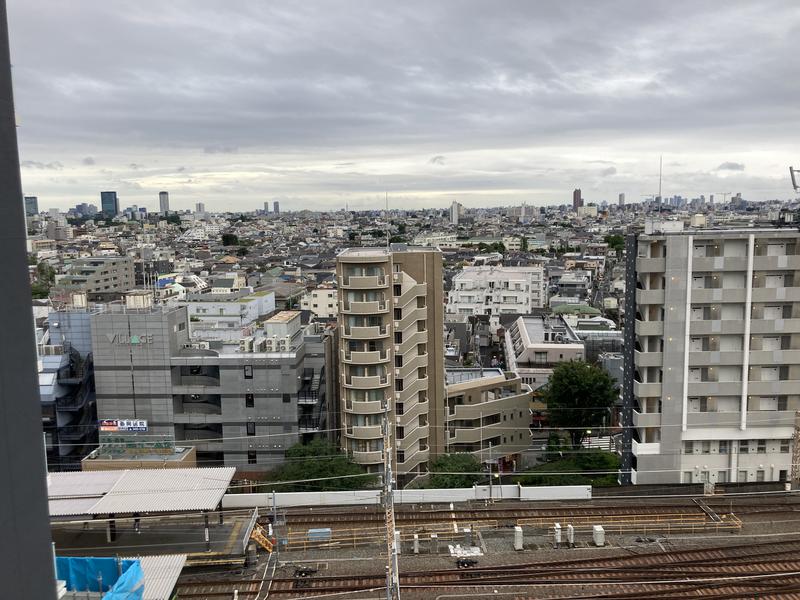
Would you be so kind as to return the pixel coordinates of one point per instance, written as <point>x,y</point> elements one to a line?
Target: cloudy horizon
<point>322,104</point>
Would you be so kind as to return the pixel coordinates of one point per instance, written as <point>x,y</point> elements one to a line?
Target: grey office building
<point>712,376</point>
<point>109,204</point>
<point>239,404</point>
<point>31,206</point>
<point>276,207</point>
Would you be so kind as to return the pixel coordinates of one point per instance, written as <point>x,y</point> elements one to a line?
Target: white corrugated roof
<point>141,491</point>
<point>160,575</point>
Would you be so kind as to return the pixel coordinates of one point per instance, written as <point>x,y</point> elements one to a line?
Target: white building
<point>321,301</point>
<point>497,290</point>
<point>227,317</point>
<point>435,239</point>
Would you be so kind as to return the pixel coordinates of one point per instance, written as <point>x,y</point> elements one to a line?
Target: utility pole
<point>795,471</point>
<point>392,574</point>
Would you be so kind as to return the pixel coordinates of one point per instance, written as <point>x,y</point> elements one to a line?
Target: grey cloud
<point>220,149</point>
<point>35,164</point>
<point>731,166</point>
<point>309,84</point>
<point>437,160</point>
<point>88,160</point>
<point>608,172</point>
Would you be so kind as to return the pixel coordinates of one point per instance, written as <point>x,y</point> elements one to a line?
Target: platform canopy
<point>89,493</point>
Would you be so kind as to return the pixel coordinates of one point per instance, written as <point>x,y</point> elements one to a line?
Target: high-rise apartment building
<point>712,376</point>
<point>493,291</point>
<point>200,208</point>
<point>31,206</point>
<point>621,200</point>
<point>109,204</point>
<point>163,203</point>
<point>276,207</point>
<point>391,316</point>
<point>266,208</point>
<point>577,199</point>
<point>455,212</point>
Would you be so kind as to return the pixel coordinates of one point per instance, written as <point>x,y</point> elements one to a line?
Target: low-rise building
<point>536,344</point>
<point>321,301</point>
<point>100,277</point>
<point>488,415</point>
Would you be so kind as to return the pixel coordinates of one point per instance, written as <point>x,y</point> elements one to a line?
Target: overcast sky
<point>321,103</point>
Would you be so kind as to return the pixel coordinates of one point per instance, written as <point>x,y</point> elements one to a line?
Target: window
<point>397,290</point>
<point>784,446</point>
<point>783,475</point>
<point>248,371</point>
<point>722,476</point>
<point>688,447</point>
<point>398,314</point>
<point>742,476</point>
<point>401,456</point>
<point>400,432</point>
<point>704,476</point>
<point>723,446</point>
<point>399,408</point>
<point>706,447</point>
<point>251,428</point>
<point>744,446</point>
<point>398,360</point>
<point>398,385</point>
<point>760,475</point>
<point>287,398</point>
<point>687,477</point>
<point>782,402</point>
<point>762,447</point>
<point>251,457</point>
<point>249,400</point>
<point>398,337</point>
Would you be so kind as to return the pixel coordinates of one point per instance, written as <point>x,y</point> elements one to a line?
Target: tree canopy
<point>615,242</point>
<point>578,397</point>
<point>230,239</point>
<point>454,471</point>
<point>318,460</point>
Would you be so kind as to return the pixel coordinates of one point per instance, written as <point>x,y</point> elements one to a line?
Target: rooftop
<point>453,376</point>
<point>283,316</point>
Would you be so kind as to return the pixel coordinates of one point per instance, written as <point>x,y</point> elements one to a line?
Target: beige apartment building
<point>391,315</point>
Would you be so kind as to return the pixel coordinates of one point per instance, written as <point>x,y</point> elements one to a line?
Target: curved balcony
<point>366,382</point>
<point>364,432</point>
<point>413,388</point>
<point>412,437</point>
<point>363,407</point>
<point>354,357</point>
<point>365,333</point>
<point>354,307</point>
<point>417,337</point>
<point>363,282</point>
<point>367,458</point>
<point>414,459</point>
<point>411,413</point>
<point>410,294</point>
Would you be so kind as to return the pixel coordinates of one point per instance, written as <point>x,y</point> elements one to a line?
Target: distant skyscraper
<point>31,206</point>
<point>109,204</point>
<point>266,208</point>
<point>455,212</point>
<point>276,207</point>
<point>200,207</point>
<point>577,201</point>
<point>163,202</point>
<point>622,200</point>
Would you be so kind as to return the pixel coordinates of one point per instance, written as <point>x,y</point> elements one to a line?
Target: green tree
<point>230,239</point>
<point>39,291</point>
<point>242,251</point>
<point>454,471</point>
<point>581,467</point>
<point>615,242</point>
<point>319,460</point>
<point>523,243</point>
<point>578,397</point>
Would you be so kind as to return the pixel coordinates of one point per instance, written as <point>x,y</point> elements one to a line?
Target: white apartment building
<point>712,377</point>
<point>493,291</point>
<point>321,301</point>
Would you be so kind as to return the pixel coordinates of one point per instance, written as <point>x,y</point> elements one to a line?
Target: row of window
<point>728,446</point>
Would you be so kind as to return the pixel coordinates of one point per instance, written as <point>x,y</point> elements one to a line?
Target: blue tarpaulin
<point>84,574</point>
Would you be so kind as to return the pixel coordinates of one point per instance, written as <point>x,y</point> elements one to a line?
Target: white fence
<point>436,496</point>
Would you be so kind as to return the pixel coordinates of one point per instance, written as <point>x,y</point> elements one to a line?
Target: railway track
<point>507,515</point>
<point>742,569</point>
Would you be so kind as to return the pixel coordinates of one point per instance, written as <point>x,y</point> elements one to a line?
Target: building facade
<point>31,206</point>
<point>392,355</point>
<point>488,415</point>
<point>163,203</point>
<point>493,291</point>
<point>99,277</point>
<point>238,404</point>
<point>322,301</point>
<point>714,376</point>
<point>109,204</point>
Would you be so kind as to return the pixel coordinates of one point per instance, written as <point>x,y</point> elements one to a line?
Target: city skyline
<point>321,106</point>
